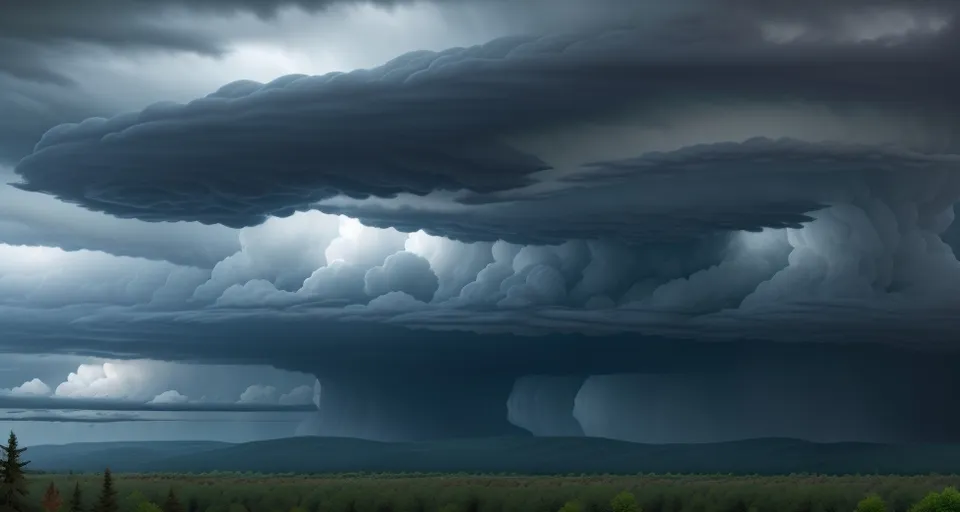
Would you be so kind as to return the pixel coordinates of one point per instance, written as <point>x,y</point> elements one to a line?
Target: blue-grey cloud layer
<point>628,243</point>
<point>426,122</point>
<point>103,404</point>
<point>688,194</point>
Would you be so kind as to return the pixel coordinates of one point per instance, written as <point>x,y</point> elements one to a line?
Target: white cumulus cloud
<point>259,394</point>
<point>128,380</point>
<point>35,387</point>
<point>169,397</point>
<point>298,396</point>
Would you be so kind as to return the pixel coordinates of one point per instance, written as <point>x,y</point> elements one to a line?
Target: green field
<point>465,493</point>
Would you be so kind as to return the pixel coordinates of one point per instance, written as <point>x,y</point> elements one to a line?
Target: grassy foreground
<point>465,493</point>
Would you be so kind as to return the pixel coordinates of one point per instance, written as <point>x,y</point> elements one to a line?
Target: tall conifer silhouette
<point>13,482</point>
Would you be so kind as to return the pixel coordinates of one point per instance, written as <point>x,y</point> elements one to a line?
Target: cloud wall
<point>539,206</point>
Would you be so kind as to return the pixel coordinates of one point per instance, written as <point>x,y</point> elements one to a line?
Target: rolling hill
<point>529,455</point>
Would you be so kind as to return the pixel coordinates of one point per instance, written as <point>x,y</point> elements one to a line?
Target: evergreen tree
<point>76,501</point>
<point>51,499</point>
<point>13,483</point>
<point>172,504</point>
<point>108,495</point>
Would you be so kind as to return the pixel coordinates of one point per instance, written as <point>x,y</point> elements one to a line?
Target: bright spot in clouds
<point>760,241</point>
<point>350,228</point>
<point>28,256</point>
<point>107,380</point>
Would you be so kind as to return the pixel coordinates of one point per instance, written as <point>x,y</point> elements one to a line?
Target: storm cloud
<point>37,220</point>
<point>676,211</point>
<point>34,30</point>
<point>686,194</point>
<point>437,121</point>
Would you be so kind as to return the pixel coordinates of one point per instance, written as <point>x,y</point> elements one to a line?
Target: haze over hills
<point>528,455</point>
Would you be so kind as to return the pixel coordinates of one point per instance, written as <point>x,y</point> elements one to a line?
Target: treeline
<point>151,493</point>
<point>464,493</point>
<point>15,492</point>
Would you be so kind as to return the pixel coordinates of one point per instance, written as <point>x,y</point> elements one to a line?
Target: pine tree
<point>76,502</point>
<point>51,499</point>
<point>172,504</point>
<point>13,483</point>
<point>108,495</point>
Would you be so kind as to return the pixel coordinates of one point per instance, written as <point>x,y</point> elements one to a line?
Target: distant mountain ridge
<point>527,455</point>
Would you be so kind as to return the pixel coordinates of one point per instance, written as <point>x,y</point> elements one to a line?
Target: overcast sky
<point>478,217</point>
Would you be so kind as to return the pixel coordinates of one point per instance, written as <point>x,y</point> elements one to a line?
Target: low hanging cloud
<point>299,395</point>
<point>102,418</point>
<point>260,394</point>
<point>143,385</point>
<point>34,387</point>
<point>116,381</point>
<point>57,403</point>
<point>71,417</point>
<point>169,397</point>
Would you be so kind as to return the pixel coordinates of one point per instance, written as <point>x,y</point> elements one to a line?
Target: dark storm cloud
<point>821,19</point>
<point>43,43</point>
<point>687,194</point>
<point>33,30</point>
<point>36,90</point>
<point>17,60</point>
<point>103,404</point>
<point>38,220</point>
<point>436,121</point>
<point>854,266</point>
<point>865,267</point>
<point>490,344</point>
<point>29,109</point>
<point>518,341</point>
<point>821,7</point>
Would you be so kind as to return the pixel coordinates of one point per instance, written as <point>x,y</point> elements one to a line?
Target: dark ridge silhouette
<point>527,455</point>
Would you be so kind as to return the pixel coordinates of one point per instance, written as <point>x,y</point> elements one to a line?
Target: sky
<point>400,220</point>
